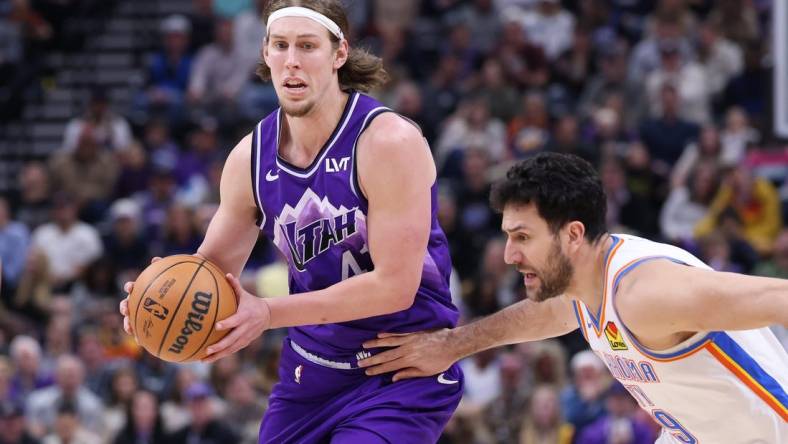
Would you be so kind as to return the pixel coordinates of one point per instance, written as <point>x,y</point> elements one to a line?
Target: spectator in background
<point>133,171</point>
<point>755,203</point>
<point>88,174</point>
<point>204,426</point>
<point>583,402</point>
<point>98,374</point>
<point>33,204</point>
<point>180,233</point>
<point>482,378</point>
<point>646,55</point>
<point>532,117</point>
<point>667,135</point>
<point>43,405</point>
<point>736,136</point>
<point>544,422</point>
<point>218,74</point>
<point>505,414</point>
<point>170,70</point>
<point>737,19</point>
<point>69,427</point>
<point>155,201</point>
<point>245,407</point>
<point>483,21</point>
<point>143,424</point>
<point>12,425</point>
<point>626,210</point>
<point>720,58</point>
<point>549,26</point>
<point>126,249</point>
<point>611,79</point>
<point>175,409</point>
<point>120,398</point>
<point>687,204</point>
<point>110,131</point>
<point>162,149</point>
<point>249,31</point>
<point>566,139</point>
<point>618,425</point>
<point>502,99</point>
<point>524,63</point>
<point>202,20</point>
<point>14,242</point>
<point>28,375</point>
<point>750,89</point>
<point>707,149</point>
<point>689,80</point>
<point>470,126</point>
<point>68,244</point>
<point>576,64</point>
<point>408,101</point>
<point>777,266</point>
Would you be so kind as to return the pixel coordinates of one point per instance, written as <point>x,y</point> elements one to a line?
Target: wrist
<point>455,344</point>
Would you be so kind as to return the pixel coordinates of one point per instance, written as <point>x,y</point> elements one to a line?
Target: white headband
<point>298,11</point>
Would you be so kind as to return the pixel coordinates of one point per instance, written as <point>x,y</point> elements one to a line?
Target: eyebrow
<point>517,227</point>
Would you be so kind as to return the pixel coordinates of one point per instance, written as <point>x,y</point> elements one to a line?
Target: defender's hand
<point>124,304</point>
<point>250,320</point>
<point>414,354</point>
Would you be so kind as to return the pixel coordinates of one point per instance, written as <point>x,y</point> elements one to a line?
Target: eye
<point>520,237</point>
<point>308,46</point>
<point>280,45</point>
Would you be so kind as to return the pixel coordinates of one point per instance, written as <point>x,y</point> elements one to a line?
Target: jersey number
<point>677,430</point>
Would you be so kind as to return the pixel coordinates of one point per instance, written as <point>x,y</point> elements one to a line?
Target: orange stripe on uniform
<point>604,290</point>
<point>762,393</point>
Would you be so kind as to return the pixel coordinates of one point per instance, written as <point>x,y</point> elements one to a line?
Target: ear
<point>575,234</point>
<point>341,54</point>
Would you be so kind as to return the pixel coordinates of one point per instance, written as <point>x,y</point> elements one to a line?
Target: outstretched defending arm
<point>661,299</point>
<point>429,353</point>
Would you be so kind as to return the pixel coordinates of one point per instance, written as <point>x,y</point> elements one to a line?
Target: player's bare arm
<point>663,302</point>
<point>232,232</point>
<point>429,353</point>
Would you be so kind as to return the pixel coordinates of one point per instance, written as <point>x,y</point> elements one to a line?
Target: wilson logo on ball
<point>194,320</point>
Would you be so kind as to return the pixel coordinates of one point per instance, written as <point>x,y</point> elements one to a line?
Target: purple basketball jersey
<point>316,217</point>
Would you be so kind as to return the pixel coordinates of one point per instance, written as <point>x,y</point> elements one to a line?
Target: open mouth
<point>295,85</point>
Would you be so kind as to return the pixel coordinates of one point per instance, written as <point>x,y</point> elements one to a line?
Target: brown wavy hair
<point>362,71</point>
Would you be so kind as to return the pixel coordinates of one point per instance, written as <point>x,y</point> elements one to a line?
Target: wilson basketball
<point>175,304</point>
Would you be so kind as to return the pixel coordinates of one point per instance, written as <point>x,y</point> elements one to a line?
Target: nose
<point>292,61</point>
<point>511,255</point>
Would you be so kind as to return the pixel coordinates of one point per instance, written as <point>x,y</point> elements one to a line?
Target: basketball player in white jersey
<point>690,344</point>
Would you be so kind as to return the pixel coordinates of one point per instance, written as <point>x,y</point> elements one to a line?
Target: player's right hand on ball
<point>124,304</point>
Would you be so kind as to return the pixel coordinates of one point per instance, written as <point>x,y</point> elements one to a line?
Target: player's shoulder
<point>389,128</point>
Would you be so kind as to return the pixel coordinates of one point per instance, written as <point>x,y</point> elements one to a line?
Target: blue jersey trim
<point>740,356</point>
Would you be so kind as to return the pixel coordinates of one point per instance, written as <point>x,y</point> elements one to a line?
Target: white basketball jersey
<point>715,387</point>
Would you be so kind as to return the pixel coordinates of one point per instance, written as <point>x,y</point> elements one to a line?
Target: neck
<point>588,282</point>
<point>303,137</point>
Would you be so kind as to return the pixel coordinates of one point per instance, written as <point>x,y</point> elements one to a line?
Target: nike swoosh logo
<point>270,176</point>
<point>442,379</point>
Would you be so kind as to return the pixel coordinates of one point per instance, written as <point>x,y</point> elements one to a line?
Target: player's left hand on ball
<point>250,320</point>
<point>414,354</point>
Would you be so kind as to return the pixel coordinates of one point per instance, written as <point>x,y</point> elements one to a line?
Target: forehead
<point>293,27</point>
<point>522,216</point>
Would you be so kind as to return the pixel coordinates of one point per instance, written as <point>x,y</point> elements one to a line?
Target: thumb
<point>408,373</point>
<point>236,284</point>
<point>391,335</point>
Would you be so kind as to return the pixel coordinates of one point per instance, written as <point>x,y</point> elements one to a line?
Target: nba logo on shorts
<point>298,371</point>
<point>614,337</point>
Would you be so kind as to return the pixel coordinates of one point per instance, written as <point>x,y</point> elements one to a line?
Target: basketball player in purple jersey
<point>346,191</point>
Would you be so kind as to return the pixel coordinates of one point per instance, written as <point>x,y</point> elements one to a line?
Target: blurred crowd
<point>670,99</point>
